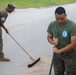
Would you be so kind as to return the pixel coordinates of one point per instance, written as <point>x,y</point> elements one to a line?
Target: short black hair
<point>60,10</point>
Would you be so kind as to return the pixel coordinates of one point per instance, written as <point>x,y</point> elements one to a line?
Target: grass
<point>33,3</point>
<point>56,2</point>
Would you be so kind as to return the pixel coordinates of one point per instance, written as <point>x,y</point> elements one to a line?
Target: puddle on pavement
<point>41,68</point>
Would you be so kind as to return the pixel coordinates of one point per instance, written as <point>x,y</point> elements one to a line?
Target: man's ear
<point>66,15</point>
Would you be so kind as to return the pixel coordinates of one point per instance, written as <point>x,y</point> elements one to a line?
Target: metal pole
<point>51,65</point>
<point>21,46</point>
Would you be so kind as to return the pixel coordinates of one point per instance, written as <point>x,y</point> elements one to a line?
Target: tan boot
<point>3,59</point>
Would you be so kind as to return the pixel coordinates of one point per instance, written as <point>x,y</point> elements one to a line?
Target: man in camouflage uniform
<point>3,16</point>
<point>62,34</point>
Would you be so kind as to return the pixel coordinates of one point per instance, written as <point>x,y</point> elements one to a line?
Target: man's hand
<point>56,41</point>
<point>55,50</point>
<point>7,31</point>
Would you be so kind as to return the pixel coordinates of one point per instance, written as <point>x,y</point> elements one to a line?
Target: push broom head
<point>34,62</point>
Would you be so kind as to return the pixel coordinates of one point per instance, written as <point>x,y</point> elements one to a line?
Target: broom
<point>51,65</point>
<point>34,61</point>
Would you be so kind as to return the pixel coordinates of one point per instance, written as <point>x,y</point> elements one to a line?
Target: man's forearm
<point>51,41</point>
<point>4,28</point>
<point>1,24</point>
<point>67,48</point>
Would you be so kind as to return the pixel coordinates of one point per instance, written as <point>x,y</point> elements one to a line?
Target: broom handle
<point>20,46</point>
<point>51,65</point>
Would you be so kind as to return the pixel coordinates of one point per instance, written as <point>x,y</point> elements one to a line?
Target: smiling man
<point>62,34</point>
<point>3,16</point>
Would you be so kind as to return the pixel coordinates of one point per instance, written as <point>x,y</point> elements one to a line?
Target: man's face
<point>10,10</point>
<point>60,18</point>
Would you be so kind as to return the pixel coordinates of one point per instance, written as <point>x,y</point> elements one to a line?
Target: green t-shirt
<point>63,33</point>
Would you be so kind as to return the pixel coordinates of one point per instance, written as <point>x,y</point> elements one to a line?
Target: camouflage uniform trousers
<point>65,62</point>
<point>1,43</point>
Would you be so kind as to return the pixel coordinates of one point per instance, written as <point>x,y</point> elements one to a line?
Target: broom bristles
<point>32,64</point>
